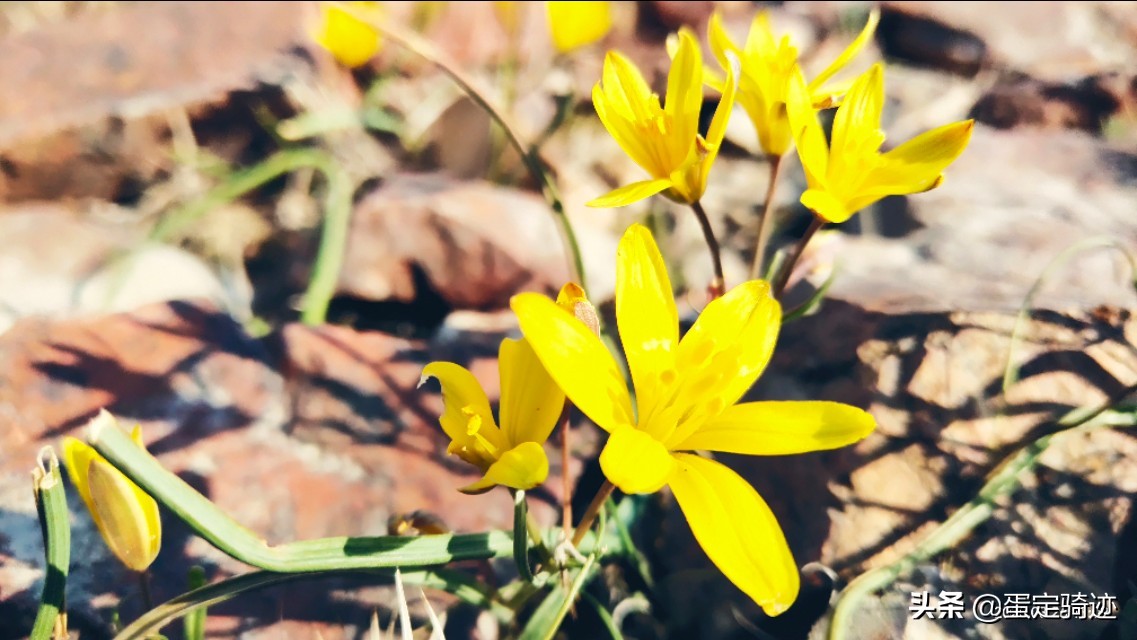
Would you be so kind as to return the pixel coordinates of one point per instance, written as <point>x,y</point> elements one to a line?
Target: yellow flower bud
<point>126,516</point>
<point>352,41</point>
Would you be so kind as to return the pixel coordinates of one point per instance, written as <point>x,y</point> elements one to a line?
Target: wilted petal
<point>781,428</point>
<point>576,359</point>
<point>737,530</point>
<point>635,462</point>
<point>531,402</point>
<point>522,467</point>
<point>576,24</point>
<point>628,194</point>
<point>646,316</point>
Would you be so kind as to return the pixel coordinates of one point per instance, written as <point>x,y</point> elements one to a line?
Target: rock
<point>926,41</point>
<point>981,240</point>
<point>308,433</point>
<point>90,97</point>
<point>1086,105</point>
<point>470,243</point>
<point>61,262</point>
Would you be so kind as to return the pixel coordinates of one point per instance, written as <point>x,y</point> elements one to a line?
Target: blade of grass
<point>51,506</point>
<point>550,614</point>
<point>195,621</point>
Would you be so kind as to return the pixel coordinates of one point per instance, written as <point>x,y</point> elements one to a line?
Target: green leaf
<point>51,506</point>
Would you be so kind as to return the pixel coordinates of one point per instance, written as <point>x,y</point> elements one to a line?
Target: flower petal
<point>531,402</point>
<point>635,462</point>
<point>352,41</point>
<point>827,206</point>
<point>916,165</point>
<point>576,359</point>
<point>856,126</point>
<point>522,467</point>
<point>781,428</point>
<point>720,357</point>
<point>127,516</point>
<point>808,135</point>
<point>717,131</point>
<point>576,24</point>
<point>463,400</point>
<point>628,194</point>
<point>737,530</point>
<point>849,53</point>
<point>684,96</point>
<point>646,316</point>
<point>77,457</point>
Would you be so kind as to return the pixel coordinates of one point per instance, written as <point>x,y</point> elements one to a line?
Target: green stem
<point>144,589</point>
<point>194,622</point>
<point>1002,481</point>
<point>765,225</point>
<point>788,268</point>
<point>521,536</point>
<point>51,506</point>
<point>325,554</point>
<point>337,217</point>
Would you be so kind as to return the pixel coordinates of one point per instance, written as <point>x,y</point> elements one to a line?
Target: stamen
<point>473,428</point>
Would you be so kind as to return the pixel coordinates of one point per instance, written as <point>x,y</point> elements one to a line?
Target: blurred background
<point>166,169</point>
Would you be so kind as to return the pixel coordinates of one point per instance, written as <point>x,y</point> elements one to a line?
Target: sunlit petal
<point>781,428</point>
<point>684,94</point>
<point>77,457</point>
<point>628,194</point>
<point>576,24</point>
<point>728,347</point>
<point>463,400</point>
<point>737,530</point>
<point>857,121</point>
<point>810,138</point>
<point>522,467</point>
<point>635,462</point>
<point>916,165</point>
<point>352,41</point>
<point>576,358</point>
<point>646,316</point>
<point>850,51</point>
<point>827,206</point>
<point>126,516</point>
<point>531,402</point>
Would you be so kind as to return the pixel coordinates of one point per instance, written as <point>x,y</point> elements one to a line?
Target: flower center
<point>473,429</point>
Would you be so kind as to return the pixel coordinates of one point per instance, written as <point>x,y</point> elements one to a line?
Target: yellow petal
<point>646,316</point>
<point>856,126</point>
<point>781,428</point>
<point>625,87</point>
<point>522,467</point>
<point>352,41</point>
<point>576,24</point>
<point>463,399</point>
<point>635,462</point>
<point>722,355</point>
<point>916,165</point>
<point>531,402</point>
<point>737,530</point>
<point>717,131</point>
<point>127,517</point>
<point>77,457</point>
<point>628,194</point>
<point>684,96</point>
<point>850,51</point>
<point>620,125</point>
<point>720,41</point>
<point>576,359</point>
<point>827,206</point>
<point>808,135</point>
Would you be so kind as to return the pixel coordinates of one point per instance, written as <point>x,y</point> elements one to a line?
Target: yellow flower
<point>850,173</point>
<point>510,455</point>
<point>686,392</point>
<point>665,140</point>
<point>352,41</point>
<point>768,64</point>
<point>126,516</point>
<point>576,24</point>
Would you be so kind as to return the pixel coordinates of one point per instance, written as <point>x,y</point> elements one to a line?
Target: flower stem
<point>764,224</point>
<point>718,285</point>
<point>593,509</point>
<point>144,589</point>
<point>787,269</point>
<point>566,480</point>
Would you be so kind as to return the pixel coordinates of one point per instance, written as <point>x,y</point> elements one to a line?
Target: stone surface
<point>311,432</point>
